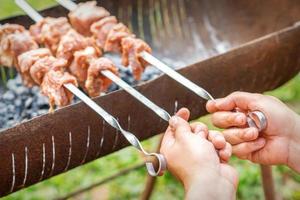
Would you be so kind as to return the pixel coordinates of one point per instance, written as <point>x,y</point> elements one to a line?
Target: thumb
<point>179,126</point>
<point>184,113</point>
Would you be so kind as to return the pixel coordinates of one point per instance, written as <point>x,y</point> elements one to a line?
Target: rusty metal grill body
<point>223,46</point>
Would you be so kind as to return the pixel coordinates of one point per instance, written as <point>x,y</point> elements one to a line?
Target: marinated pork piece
<point>49,31</point>
<point>27,59</point>
<point>52,87</point>
<point>96,82</point>
<point>85,15</point>
<point>44,65</point>
<point>101,28</point>
<point>115,36</point>
<point>81,62</point>
<point>72,42</point>
<point>13,45</point>
<point>8,29</point>
<point>131,48</point>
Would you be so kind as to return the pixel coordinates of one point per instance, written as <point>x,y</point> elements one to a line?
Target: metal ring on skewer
<point>257,119</point>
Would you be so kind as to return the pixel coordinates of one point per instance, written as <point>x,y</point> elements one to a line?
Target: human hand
<point>279,143</point>
<point>190,151</point>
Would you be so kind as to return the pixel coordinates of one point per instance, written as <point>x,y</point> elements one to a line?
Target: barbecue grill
<point>223,46</point>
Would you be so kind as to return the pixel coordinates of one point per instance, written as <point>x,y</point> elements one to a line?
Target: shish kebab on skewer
<point>89,59</point>
<point>134,53</point>
<point>111,120</point>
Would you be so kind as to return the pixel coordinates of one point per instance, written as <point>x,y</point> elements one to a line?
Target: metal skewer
<point>254,119</point>
<point>131,138</point>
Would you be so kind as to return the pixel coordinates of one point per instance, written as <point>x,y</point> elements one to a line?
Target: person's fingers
<point>184,113</point>
<point>240,135</point>
<point>243,149</point>
<point>225,153</point>
<point>168,140</point>
<point>225,119</point>
<point>179,126</point>
<point>217,139</point>
<point>240,100</point>
<point>199,129</point>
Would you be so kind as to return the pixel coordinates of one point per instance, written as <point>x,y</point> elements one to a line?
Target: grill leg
<point>268,182</point>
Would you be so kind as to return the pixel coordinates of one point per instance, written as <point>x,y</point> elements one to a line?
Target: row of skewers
<point>70,57</point>
<point>59,56</point>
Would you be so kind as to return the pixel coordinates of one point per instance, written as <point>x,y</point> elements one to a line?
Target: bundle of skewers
<point>52,53</point>
<point>59,56</point>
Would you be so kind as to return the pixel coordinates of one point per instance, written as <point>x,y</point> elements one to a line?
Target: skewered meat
<point>49,31</point>
<point>85,15</point>
<point>13,45</point>
<point>7,29</point>
<point>27,59</point>
<point>44,65</point>
<point>131,48</point>
<point>52,87</point>
<point>96,82</point>
<point>101,28</point>
<point>72,42</point>
<point>81,62</point>
<point>115,36</point>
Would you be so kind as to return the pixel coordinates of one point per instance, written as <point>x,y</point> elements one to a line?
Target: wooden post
<point>268,182</point>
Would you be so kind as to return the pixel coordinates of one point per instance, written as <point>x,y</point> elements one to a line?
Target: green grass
<point>131,185</point>
<point>8,7</point>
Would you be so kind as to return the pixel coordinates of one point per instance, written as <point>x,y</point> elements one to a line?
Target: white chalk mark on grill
<point>44,162</point>
<point>87,145</point>
<point>70,152</point>
<point>175,107</point>
<point>128,122</point>
<point>53,156</point>
<point>100,141</point>
<point>13,172</point>
<point>116,139</point>
<point>26,167</point>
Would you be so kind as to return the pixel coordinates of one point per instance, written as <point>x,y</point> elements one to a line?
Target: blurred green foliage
<point>9,8</point>
<point>130,186</point>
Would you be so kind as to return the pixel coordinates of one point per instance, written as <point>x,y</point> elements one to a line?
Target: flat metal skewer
<point>131,138</point>
<point>70,5</point>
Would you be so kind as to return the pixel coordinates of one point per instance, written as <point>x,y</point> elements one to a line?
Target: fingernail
<point>198,129</point>
<point>261,142</point>
<point>173,121</point>
<point>249,134</point>
<point>239,119</point>
<point>201,133</point>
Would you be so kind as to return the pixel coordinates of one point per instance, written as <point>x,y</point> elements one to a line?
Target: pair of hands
<point>199,157</point>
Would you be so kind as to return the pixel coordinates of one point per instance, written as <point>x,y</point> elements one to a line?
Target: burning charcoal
<point>10,108</point>
<point>21,90</point>
<point>34,114</point>
<point>3,110</point>
<point>8,96</point>
<point>42,111</point>
<point>28,102</point>
<point>18,102</point>
<point>11,84</point>
<point>113,87</point>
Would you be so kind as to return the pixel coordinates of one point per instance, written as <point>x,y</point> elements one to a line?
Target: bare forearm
<point>294,147</point>
<point>210,188</point>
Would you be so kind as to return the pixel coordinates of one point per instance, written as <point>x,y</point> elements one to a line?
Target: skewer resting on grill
<point>154,171</point>
<point>137,53</point>
<point>94,70</point>
<point>143,56</point>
